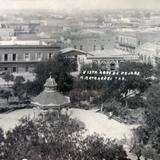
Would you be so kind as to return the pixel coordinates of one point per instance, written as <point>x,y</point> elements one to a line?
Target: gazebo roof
<point>50,97</point>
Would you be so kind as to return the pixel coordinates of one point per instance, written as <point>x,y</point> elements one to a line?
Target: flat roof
<point>26,44</point>
<point>20,42</point>
<point>148,47</point>
<point>108,52</point>
<point>111,53</point>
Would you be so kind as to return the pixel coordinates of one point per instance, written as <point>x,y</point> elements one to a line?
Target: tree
<point>137,151</point>
<point>98,148</point>
<point>149,153</point>
<point>60,68</point>
<point>150,133</point>
<point>6,94</point>
<point>2,144</point>
<point>136,102</point>
<point>19,87</point>
<point>8,77</point>
<point>146,70</point>
<point>115,88</point>
<point>57,138</point>
<point>153,94</point>
<point>157,70</point>
<point>19,80</point>
<point>153,109</point>
<point>112,106</point>
<point>136,144</point>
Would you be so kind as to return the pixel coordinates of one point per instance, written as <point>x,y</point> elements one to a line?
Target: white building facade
<point>148,53</point>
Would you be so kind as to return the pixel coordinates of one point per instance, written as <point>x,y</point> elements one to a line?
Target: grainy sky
<point>79,4</point>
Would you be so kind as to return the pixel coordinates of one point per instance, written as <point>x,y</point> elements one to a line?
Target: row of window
<point>124,48</point>
<point>127,40</point>
<point>14,57</point>
<point>146,59</point>
<point>94,47</point>
<point>111,67</point>
<point>14,69</point>
<point>104,65</point>
<point>26,56</point>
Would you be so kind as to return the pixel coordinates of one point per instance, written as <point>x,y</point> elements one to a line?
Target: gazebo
<point>50,98</point>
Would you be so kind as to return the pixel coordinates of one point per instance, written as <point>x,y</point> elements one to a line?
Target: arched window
<point>112,66</point>
<point>149,60</point>
<point>141,57</point>
<point>50,56</point>
<point>145,58</point>
<point>102,47</point>
<point>81,47</point>
<point>94,47</point>
<point>103,64</point>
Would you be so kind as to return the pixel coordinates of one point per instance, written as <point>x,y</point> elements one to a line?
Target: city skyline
<point>79,4</point>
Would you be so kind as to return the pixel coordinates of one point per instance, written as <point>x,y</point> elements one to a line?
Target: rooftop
<point>27,37</point>
<point>51,99</point>
<point>108,53</point>
<point>149,46</point>
<point>27,44</point>
<point>111,53</point>
<point>70,49</point>
<point>19,42</point>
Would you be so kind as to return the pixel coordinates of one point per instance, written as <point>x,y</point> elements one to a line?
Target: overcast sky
<point>76,4</point>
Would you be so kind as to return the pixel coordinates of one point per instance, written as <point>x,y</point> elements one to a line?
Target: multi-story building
<point>90,41</point>
<point>157,56</point>
<point>127,42</point>
<point>22,27</point>
<point>107,59</point>
<point>23,57</point>
<point>150,21</point>
<point>6,33</point>
<point>134,38</point>
<point>110,58</point>
<point>149,53</point>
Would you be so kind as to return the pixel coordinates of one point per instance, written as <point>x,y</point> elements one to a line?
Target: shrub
<point>136,102</point>
<point>112,106</point>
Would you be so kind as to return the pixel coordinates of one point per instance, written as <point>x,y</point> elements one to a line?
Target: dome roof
<point>50,82</point>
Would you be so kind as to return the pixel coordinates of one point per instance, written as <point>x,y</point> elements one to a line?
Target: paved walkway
<point>10,120</point>
<point>99,123</point>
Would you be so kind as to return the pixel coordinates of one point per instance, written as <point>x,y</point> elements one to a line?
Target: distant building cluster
<point>102,38</point>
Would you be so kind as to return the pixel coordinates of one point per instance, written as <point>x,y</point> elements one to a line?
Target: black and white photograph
<point>79,79</point>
